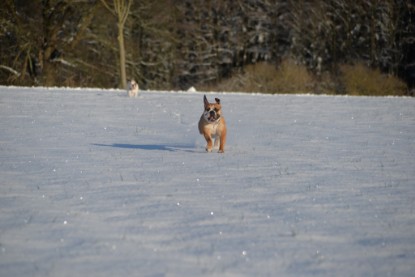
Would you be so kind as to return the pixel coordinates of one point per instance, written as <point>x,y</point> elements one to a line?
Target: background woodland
<point>362,47</point>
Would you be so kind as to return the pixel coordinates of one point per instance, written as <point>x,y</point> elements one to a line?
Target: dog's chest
<point>213,128</point>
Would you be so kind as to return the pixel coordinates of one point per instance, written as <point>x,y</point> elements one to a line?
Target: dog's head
<point>133,85</point>
<point>213,111</point>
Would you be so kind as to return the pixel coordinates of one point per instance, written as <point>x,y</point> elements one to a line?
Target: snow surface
<point>93,183</point>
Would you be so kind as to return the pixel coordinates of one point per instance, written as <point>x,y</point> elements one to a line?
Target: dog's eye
<point>216,109</point>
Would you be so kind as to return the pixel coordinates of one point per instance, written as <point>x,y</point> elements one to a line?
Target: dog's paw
<point>221,151</point>
<point>208,150</point>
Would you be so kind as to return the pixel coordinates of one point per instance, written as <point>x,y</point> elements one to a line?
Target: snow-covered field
<point>93,183</point>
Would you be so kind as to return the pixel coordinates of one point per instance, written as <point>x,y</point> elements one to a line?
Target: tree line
<point>172,44</point>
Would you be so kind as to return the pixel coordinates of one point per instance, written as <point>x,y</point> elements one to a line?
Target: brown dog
<point>212,125</point>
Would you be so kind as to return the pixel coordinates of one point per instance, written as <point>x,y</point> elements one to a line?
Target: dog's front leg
<point>222,142</point>
<point>209,143</point>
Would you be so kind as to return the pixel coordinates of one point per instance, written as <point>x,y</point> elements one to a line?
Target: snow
<point>94,183</point>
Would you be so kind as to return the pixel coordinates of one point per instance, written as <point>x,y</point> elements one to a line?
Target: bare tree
<point>120,9</point>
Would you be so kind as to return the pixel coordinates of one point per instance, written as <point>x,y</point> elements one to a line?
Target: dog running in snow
<point>132,89</point>
<point>212,125</point>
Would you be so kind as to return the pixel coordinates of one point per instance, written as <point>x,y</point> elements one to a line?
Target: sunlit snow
<point>94,183</point>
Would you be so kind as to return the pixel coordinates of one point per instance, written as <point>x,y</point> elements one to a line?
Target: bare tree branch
<point>9,69</point>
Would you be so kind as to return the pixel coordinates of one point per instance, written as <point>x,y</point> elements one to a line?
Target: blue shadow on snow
<point>159,147</point>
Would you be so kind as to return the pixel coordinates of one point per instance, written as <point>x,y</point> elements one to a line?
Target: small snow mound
<point>192,89</point>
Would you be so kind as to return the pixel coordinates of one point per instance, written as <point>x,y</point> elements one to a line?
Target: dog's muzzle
<point>212,116</point>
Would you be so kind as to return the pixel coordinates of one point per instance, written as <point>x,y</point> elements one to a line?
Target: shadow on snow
<point>159,147</point>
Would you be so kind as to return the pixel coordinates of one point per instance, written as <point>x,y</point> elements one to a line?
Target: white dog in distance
<point>133,88</point>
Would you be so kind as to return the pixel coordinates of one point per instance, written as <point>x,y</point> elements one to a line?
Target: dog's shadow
<point>153,147</point>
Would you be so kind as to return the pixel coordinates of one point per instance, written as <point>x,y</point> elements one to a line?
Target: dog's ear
<point>205,101</point>
<point>217,100</point>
